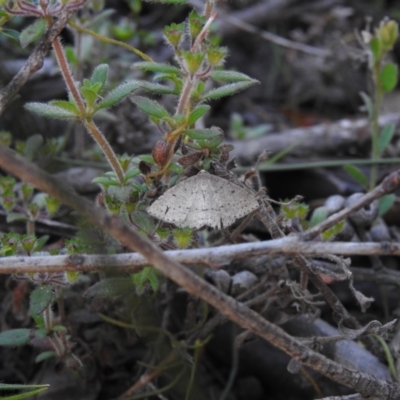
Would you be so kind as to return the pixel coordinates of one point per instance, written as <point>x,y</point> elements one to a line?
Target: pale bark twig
<point>214,257</point>
<point>388,185</point>
<point>323,139</point>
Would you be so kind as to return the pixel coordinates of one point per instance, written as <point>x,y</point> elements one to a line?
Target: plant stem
<point>67,75</point>
<point>87,120</point>
<point>109,40</point>
<point>374,123</point>
<point>105,146</point>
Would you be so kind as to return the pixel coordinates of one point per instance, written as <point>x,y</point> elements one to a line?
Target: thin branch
<point>34,62</point>
<point>388,185</point>
<point>348,397</point>
<point>239,313</point>
<point>214,257</point>
<point>322,139</point>
<point>278,40</point>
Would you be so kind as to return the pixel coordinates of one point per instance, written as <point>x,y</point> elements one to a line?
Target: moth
<point>203,200</point>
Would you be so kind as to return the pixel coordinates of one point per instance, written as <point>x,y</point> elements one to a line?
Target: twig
<point>365,384</point>
<point>348,397</point>
<point>388,185</point>
<point>34,62</point>
<point>322,139</point>
<point>214,257</point>
<point>279,40</point>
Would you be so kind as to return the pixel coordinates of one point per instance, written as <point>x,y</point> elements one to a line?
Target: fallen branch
<point>323,139</point>
<point>214,257</point>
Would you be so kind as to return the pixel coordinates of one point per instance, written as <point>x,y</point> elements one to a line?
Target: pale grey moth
<point>203,200</point>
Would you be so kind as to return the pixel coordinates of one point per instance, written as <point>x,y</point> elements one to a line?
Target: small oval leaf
<point>99,75</point>
<point>32,32</point>
<point>150,107</point>
<point>15,337</point>
<point>197,113</point>
<point>319,215</point>
<point>117,94</point>
<point>229,76</point>
<point>368,103</point>
<point>202,134</point>
<point>357,174</point>
<point>49,111</point>
<point>385,137</point>
<point>385,203</point>
<point>40,299</point>
<point>110,287</point>
<point>388,77</point>
<point>157,67</point>
<point>228,90</point>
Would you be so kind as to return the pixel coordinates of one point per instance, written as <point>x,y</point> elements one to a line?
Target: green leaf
<point>147,158</point>
<point>132,173</point>
<point>157,88</point>
<point>368,103</point>
<point>33,144</point>
<point>89,95</point>
<point>230,76</point>
<point>99,75</point>
<point>157,67</point>
<point>385,137</point>
<point>333,231</point>
<point>66,105</point>
<point>214,142</point>
<point>11,33</point>
<point>117,94</point>
<point>176,168</point>
<point>197,113</point>
<point>45,355</point>
<point>98,16</point>
<point>32,390</point>
<point>385,203</point>
<point>202,134</point>
<point>18,386</point>
<point>150,107</point>
<point>105,181</point>
<point>41,242</point>
<point>40,299</point>
<point>49,111</point>
<point>15,337</point>
<point>388,77</point>
<point>11,217</point>
<point>32,32</point>
<point>147,274</point>
<point>24,395</point>
<point>375,47</point>
<point>319,214</point>
<point>71,55</point>
<point>357,174</point>
<point>110,287</point>
<point>228,90</point>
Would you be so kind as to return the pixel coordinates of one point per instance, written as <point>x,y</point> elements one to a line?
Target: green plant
<point>384,78</point>
<point>239,131</point>
<point>199,61</point>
